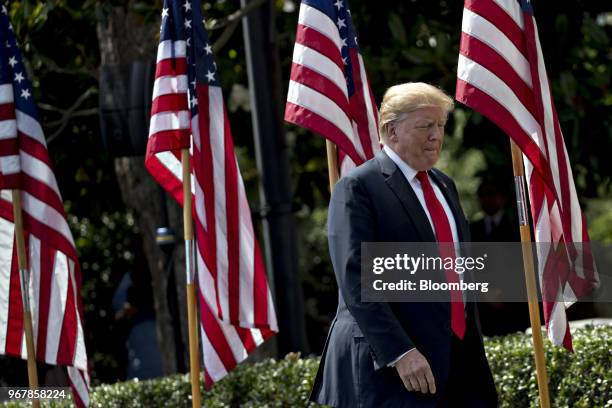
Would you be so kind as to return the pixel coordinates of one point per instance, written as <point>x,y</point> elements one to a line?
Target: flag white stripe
<point>46,214</point>
<point>39,170</point>
<point>34,292</point>
<point>80,355</point>
<point>9,165</point>
<point>247,311</point>
<point>313,18</point>
<point>170,85</point>
<point>169,121</point>
<point>171,49</point>
<point>513,10</point>
<point>557,323</point>
<point>233,340</point>
<point>321,64</point>
<point>320,104</point>
<point>549,126</point>
<point>81,387</point>
<point>6,93</point>
<point>57,306</point>
<point>30,127</point>
<point>483,30</point>
<point>7,229</point>
<point>480,77</point>
<point>212,362</point>
<point>217,139</point>
<point>171,163</point>
<point>272,312</point>
<point>42,212</point>
<point>370,108</point>
<point>8,129</point>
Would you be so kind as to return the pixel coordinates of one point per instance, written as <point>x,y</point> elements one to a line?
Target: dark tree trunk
<point>124,39</point>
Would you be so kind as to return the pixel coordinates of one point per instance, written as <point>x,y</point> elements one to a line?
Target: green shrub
<point>581,379</point>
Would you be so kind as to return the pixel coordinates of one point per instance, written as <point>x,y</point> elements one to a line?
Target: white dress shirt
<point>410,175</point>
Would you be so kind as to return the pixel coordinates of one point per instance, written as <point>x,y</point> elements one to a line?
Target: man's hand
<point>415,373</point>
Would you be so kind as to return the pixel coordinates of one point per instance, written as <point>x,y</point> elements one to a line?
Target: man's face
<point>418,138</point>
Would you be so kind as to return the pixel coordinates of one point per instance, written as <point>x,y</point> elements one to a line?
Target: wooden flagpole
<point>530,280</point>
<point>192,316</point>
<point>332,163</point>
<point>24,278</point>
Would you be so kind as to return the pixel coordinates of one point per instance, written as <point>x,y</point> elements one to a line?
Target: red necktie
<point>444,234</point>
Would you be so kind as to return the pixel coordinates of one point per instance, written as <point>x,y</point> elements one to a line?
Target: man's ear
<point>391,133</point>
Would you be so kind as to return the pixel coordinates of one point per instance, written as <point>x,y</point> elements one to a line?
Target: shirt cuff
<point>394,362</point>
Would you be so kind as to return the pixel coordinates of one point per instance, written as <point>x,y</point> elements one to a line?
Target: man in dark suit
<point>498,225</point>
<point>400,354</point>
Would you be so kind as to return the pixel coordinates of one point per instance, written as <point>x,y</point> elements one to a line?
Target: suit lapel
<point>453,202</point>
<point>399,185</point>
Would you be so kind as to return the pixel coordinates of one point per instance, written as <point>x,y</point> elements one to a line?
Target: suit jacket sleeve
<point>351,222</point>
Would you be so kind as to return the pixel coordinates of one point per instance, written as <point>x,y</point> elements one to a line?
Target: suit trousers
<point>469,385</point>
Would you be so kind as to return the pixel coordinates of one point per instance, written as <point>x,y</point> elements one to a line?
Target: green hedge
<point>582,379</point>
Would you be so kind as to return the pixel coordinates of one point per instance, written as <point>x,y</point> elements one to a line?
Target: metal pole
<point>192,315</point>
<point>530,280</point>
<point>263,69</point>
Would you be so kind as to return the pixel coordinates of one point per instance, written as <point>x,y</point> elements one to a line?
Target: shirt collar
<point>408,171</point>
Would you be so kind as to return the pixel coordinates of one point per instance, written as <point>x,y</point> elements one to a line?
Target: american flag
<point>55,277</point>
<point>501,74</point>
<point>329,92</point>
<point>236,309</point>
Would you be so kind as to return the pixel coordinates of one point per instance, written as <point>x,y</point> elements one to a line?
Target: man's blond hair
<point>402,99</point>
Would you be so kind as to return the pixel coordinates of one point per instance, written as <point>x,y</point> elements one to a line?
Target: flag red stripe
<point>208,246</point>
<point>358,107</point>
<point>34,148</point>
<point>164,177</point>
<point>260,289</point>
<point>313,39</point>
<point>14,334</point>
<point>67,344</point>
<point>489,107</point>
<point>532,56</point>
<point>9,147</point>
<point>43,192</point>
<point>246,337</point>
<point>171,67</point>
<point>298,115</point>
<point>564,174</point>
<point>216,336</point>
<point>499,18</point>
<point>312,79</point>
<point>165,140</point>
<point>44,297</point>
<point>481,53</point>
<point>233,227</point>
<point>11,181</point>
<point>169,102</point>
<point>7,111</point>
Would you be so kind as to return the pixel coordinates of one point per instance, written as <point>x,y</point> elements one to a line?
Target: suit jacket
<point>375,202</point>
